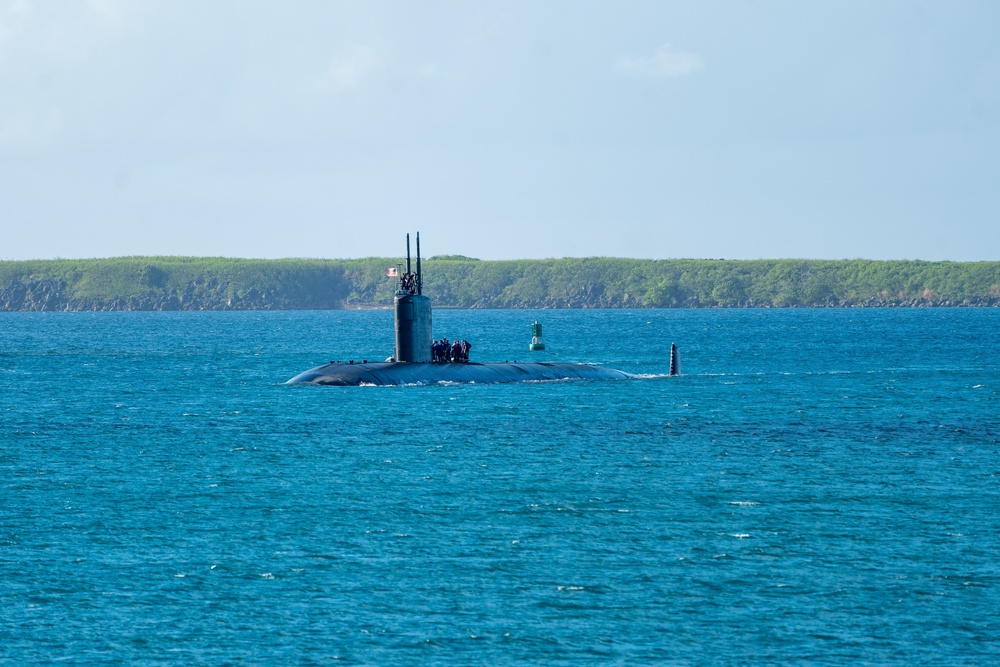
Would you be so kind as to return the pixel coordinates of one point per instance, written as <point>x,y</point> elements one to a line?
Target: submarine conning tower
<point>412,314</point>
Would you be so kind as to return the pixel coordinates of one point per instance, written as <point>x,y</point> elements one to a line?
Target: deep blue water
<point>820,486</point>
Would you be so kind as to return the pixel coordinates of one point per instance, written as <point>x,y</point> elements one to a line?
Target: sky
<point>500,130</point>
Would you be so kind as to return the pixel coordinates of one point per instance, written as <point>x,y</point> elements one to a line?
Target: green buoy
<point>536,337</point>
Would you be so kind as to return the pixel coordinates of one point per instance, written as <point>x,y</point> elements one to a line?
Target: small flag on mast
<point>391,272</point>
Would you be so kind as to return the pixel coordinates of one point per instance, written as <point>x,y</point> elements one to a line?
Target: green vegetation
<point>196,283</point>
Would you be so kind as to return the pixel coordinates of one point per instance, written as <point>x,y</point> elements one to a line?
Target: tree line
<point>215,283</point>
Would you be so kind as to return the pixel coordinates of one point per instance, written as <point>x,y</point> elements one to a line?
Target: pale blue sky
<point>500,130</point>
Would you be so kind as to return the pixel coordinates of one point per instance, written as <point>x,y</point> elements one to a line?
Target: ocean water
<point>818,487</point>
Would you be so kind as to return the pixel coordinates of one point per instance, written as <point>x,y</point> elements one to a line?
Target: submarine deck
<point>403,373</point>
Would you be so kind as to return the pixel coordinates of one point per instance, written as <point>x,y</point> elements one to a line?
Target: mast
<point>419,281</point>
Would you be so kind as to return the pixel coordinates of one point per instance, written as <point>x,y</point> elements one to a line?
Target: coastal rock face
<point>37,295</point>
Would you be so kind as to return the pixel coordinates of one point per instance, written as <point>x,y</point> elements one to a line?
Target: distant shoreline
<point>193,283</point>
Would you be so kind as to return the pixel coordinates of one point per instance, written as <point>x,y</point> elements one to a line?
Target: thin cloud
<point>663,62</point>
<point>349,68</point>
<point>109,10</point>
<point>30,130</point>
<point>427,71</point>
<point>59,33</point>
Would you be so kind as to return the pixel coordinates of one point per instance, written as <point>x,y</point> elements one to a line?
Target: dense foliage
<point>171,283</point>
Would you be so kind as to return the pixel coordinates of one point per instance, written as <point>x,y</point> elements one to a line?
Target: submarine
<point>413,362</point>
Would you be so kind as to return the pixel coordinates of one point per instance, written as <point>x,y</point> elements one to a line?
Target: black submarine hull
<point>412,357</point>
<point>405,373</point>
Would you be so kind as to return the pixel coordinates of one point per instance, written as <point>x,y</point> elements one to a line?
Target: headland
<point>215,283</point>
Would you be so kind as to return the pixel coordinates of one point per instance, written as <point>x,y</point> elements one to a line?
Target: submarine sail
<point>412,315</point>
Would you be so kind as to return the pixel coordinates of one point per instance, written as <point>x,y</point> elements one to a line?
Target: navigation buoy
<point>536,337</point>
<point>675,360</point>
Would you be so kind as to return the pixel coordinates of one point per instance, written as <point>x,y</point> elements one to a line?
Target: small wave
<point>550,380</point>
<point>744,503</point>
